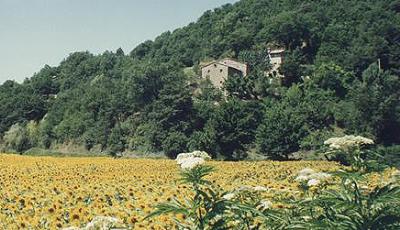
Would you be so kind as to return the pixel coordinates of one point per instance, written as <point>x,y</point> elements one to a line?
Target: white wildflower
<point>313,182</point>
<point>191,160</point>
<point>306,172</point>
<point>348,141</point>
<point>200,154</point>
<point>229,196</point>
<point>301,178</point>
<point>260,189</point>
<point>312,178</point>
<point>244,188</point>
<point>99,222</point>
<point>320,176</point>
<point>265,204</point>
<point>102,222</point>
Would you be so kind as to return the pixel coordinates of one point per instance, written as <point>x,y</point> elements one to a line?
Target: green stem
<point>200,216</point>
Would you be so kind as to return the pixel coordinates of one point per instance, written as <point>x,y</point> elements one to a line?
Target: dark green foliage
<point>291,68</point>
<point>390,155</point>
<point>236,123</point>
<point>255,59</point>
<point>117,143</point>
<point>174,143</point>
<point>332,77</point>
<point>205,139</point>
<point>280,131</point>
<point>19,103</point>
<point>288,121</point>
<point>352,207</point>
<point>143,102</point>
<point>315,139</point>
<point>202,208</point>
<point>372,106</point>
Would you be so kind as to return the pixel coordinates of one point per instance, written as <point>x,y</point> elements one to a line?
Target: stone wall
<point>216,72</point>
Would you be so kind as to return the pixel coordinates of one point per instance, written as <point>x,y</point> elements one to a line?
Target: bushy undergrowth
<point>339,200</point>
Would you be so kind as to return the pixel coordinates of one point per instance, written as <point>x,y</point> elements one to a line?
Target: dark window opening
<point>275,55</point>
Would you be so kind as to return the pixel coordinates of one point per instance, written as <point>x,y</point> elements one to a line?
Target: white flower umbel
<point>347,142</point>
<point>183,156</point>
<point>260,189</point>
<point>320,176</point>
<point>229,196</point>
<point>265,204</point>
<point>306,172</point>
<point>313,182</point>
<point>312,178</point>
<point>257,188</point>
<point>301,178</point>
<point>99,222</point>
<point>191,160</point>
<point>102,222</point>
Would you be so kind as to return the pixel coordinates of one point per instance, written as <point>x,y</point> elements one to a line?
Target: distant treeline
<point>146,102</point>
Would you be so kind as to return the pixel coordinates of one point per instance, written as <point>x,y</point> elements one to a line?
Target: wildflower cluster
<point>311,178</point>
<point>192,159</point>
<point>100,222</point>
<point>348,150</point>
<point>348,142</point>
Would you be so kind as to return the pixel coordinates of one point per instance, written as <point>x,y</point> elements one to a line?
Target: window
<point>276,55</point>
<point>208,71</point>
<point>215,65</point>
<point>220,70</point>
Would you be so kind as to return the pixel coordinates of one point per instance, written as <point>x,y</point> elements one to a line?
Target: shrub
<point>315,139</point>
<point>174,143</point>
<point>16,139</point>
<point>326,203</point>
<point>280,132</point>
<point>350,150</point>
<point>390,155</point>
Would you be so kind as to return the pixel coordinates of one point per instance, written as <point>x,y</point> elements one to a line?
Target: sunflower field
<point>57,193</point>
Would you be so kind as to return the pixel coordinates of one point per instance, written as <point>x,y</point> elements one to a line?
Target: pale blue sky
<point>38,32</point>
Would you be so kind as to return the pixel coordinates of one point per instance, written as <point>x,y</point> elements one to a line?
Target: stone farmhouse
<point>276,55</point>
<point>219,70</point>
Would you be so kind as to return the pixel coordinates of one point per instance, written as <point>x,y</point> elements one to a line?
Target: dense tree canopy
<point>145,101</point>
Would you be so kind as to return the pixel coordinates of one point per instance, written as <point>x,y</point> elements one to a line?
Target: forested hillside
<point>147,102</point>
